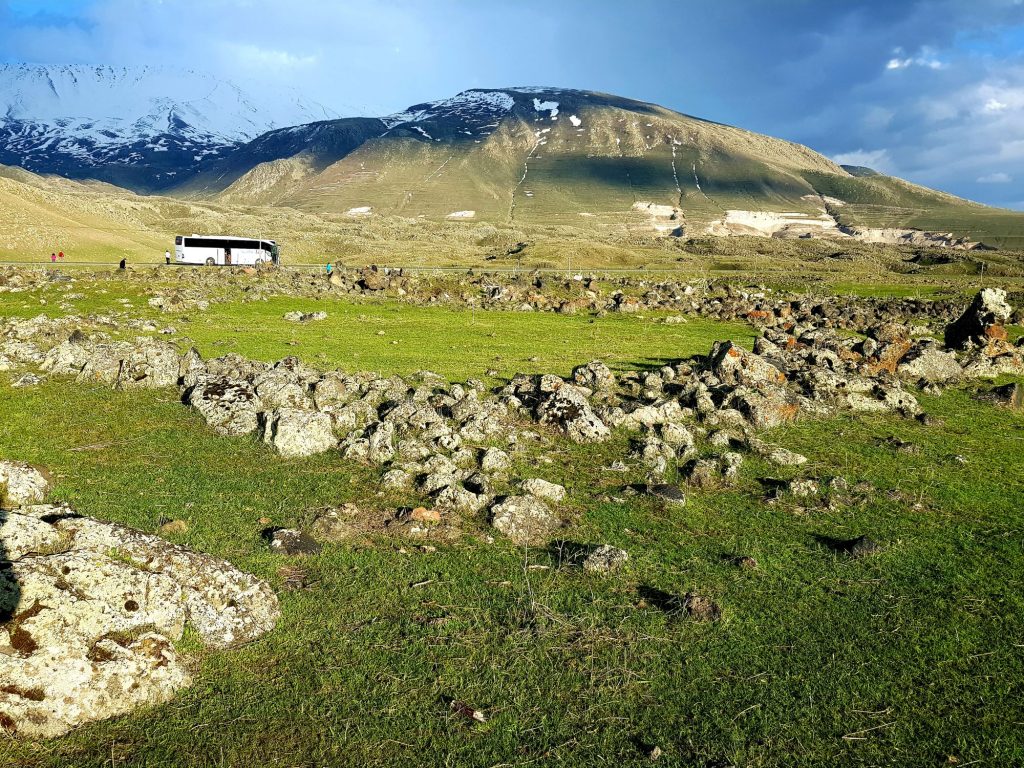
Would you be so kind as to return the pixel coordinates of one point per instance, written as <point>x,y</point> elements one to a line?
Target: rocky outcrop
<point>982,323</point>
<point>455,444</point>
<point>90,611</point>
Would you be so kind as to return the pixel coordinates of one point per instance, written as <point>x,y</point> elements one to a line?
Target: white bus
<point>224,251</point>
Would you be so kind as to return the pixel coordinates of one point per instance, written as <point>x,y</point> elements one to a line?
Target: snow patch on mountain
<point>472,106</point>
<point>546,106</point>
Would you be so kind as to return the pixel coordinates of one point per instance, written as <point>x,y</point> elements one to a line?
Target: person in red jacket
<point>61,255</point>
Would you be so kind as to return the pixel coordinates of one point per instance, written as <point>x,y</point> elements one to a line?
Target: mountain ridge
<point>141,127</point>
<point>541,155</point>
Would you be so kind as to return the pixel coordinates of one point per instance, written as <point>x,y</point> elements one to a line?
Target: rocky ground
<point>456,445</point>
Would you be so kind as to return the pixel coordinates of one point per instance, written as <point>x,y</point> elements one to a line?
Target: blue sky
<point>931,90</point>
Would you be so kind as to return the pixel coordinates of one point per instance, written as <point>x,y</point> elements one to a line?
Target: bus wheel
<point>209,261</point>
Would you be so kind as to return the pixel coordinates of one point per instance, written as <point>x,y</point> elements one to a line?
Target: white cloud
<point>878,159</point>
<point>926,58</point>
<point>995,105</point>
<point>254,55</point>
<point>995,178</point>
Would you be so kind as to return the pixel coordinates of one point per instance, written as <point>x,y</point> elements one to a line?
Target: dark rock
<point>670,494</point>
<point>291,541</point>
<point>860,546</point>
<point>1007,395</point>
<point>982,323</point>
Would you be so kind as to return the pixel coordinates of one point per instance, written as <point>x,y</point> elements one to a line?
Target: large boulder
<point>734,365</point>
<point>568,409</point>
<point>295,433</point>
<point>230,406</point>
<point>524,519</point>
<point>982,323</point>
<point>90,612</point>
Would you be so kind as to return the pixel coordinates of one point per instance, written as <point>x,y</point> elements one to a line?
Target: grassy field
<point>456,343</point>
<point>911,656</point>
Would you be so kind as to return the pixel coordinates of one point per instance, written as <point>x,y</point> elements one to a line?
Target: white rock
<point>524,519</point>
<point>21,484</point>
<point>294,433</point>
<point>542,489</point>
<point>75,586</point>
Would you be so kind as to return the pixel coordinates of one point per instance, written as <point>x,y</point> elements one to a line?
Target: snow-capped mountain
<point>145,127</point>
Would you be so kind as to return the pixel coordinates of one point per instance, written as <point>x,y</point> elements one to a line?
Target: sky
<point>929,90</point>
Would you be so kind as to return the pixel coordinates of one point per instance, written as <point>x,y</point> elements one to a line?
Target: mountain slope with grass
<point>556,156</point>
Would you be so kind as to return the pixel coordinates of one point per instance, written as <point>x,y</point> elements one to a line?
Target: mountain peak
<point>111,122</point>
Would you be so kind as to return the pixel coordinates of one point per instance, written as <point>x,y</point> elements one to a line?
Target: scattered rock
<point>595,376</point>
<point>542,489</point>
<point>670,494</point>
<point>304,317</point>
<point>294,433</point>
<point>735,365</point>
<point>494,460</point>
<point>230,406</point>
<point>524,519</point>
<point>21,484</point>
<point>778,455</point>
<point>291,541</point>
<point>605,558</point>
<point>803,488</point>
<point>27,380</point>
<point>424,515</point>
<point>568,409</point>
<point>930,365</point>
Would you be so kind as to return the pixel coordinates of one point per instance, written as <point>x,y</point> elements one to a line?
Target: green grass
<point>886,290</point>
<point>907,657</point>
<point>391,337</point>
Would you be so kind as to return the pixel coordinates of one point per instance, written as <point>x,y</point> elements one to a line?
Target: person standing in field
<point>123,264</point>
<point>61,255</point>
<point>53,258</point>
<point>167,257</point>
<point>330,269</point>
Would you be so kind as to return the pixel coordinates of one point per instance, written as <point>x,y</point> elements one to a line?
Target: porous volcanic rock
<point>524,519</point>
<point>89,612</point>
<point>295,433</point>
<point>230,406</point>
